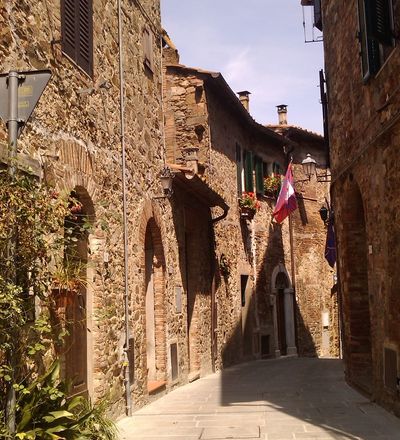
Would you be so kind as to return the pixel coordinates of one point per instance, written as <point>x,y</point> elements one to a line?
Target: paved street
<point>279,399</point>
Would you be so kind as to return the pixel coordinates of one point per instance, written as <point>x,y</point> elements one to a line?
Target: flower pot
<point>247,213</point>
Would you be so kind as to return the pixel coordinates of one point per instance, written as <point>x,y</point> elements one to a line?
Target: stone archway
<point>76,262</point>
<point>154,341</point>
<point>353,246</point>
<point>283,312</point>
<point>73,172</point>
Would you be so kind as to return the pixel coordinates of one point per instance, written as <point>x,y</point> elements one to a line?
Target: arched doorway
<point>76,265</point>
<point>355,290</point>
<point>156,355</point>
<point>283,312</point>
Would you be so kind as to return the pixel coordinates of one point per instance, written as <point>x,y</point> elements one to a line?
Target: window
<point>376,34</point>
<point>259,172</point>
<point>148,49</point>
<point>239,170</point>
<point>248,171</point>
<point>317,14</point>
<point>77,32</point>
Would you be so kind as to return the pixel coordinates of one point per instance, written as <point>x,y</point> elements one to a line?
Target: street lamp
<point>166,177</point>
<point>309,166</point>
<point>324,214</point>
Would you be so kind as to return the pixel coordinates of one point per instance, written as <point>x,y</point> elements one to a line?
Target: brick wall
<point>364,134</point>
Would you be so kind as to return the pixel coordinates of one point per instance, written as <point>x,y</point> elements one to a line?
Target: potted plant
<point>272,185</point>
<point>249,205</point>
<point>69,278</point>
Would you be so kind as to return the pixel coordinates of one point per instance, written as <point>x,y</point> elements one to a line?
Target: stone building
<point>73,140</point>
<point>258,309</point>
<point>363,108</point>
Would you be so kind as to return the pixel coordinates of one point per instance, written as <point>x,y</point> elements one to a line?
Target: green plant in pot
<point>272,185</point>
<point>249,205</point>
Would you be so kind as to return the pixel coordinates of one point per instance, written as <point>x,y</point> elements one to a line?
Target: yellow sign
<point>25,91</point>
<point>23,104</point>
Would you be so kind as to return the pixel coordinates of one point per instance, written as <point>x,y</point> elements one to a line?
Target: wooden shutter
<point>324,102</point>
<point>317,14</point>
<point>77,32</point>
<point>248,171</point>
<point>68,27</point>
<point>239,169</point>
<point>85,36</point>
<point>148,48</point>
<point>259,170</point>
<point>378,18</point>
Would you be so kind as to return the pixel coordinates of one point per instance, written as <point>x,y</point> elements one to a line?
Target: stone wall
<point>74,133</point>
<point>364,133</point>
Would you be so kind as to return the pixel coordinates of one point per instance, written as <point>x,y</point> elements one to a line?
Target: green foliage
<point>272,184</point>
<point>45,412</point>
<point>38,228</point>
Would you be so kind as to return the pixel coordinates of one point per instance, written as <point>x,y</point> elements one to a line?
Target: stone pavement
<point>282,399</point>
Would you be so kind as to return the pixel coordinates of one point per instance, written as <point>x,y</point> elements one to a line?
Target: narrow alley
<point>282,399</point>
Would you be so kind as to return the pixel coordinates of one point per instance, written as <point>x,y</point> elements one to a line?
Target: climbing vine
<point>32,242</point>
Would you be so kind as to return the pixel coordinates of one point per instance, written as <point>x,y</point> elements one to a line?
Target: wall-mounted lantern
<point>166,176</point>
<point>310,167</point>
<point>324,214</point>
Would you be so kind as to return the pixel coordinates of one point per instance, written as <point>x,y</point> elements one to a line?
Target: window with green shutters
<point>77,32</point>
<point>376,34</point>
<point>248,171</point>
<point>259,172</point>
<point>239,170</point>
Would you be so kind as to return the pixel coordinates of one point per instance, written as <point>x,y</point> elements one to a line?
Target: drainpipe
<point>128,400</point>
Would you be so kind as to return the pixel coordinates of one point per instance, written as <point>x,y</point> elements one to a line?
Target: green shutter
<point>378,19</point>
<point>258,165</point>
<point>239,169</point>
<point>248,172</point>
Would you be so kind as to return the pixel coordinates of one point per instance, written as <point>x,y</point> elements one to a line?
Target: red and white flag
<point>286,202</point>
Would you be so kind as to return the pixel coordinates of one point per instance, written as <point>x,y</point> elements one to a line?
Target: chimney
<point>282,114</point>
<point>244,98</point>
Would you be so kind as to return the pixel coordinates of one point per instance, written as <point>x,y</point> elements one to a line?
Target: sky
<point>257,45</point>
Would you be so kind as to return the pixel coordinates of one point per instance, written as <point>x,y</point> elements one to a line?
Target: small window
<point>276,168</point>
<point>376,34</point>
<point>77,32</point>
<point>148,59</point>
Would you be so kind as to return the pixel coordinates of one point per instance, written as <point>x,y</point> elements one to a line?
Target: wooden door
<point>76,344</point>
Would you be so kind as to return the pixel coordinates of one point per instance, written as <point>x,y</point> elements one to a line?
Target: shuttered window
<point>376,33</point>
<point>248,172</point>
<point>148,49</point>
<point>317,14</point>
<point>77,32</point>
<point>259,172</point>
<point>239,169</point>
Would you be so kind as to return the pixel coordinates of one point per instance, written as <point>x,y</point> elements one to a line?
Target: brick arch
<point>154,313</point>
<point>74,168</point>
<point>73,172</point>
<point>352,244</point>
